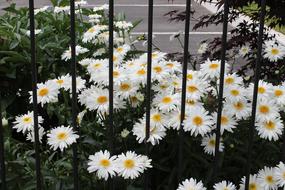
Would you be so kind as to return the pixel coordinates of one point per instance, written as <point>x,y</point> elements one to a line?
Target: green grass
<point>252,8</point>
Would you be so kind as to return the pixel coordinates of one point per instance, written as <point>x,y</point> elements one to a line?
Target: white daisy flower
<point>25,123</point>
<point>98,100</point>
<point>270,129</point>
<point>43,9</point>
<point>273,51</point>
<point>193,104</point>
<point>126,88</point>
<point>46,93</point>
<point>93,32</point>
<point>235,93</point>
<point>278,92</point>
<point>78,50</point>
<point>85,62</point>
<point>94,18</point>
<point>138,74</point>
<point>264,90</point>
<point>232,79</point>
<point>211,69</point>
<point>130,165</point>
<point>122,50</point>
<point>266,178</point>
<point>160,72</point>
<point>103,164</point>
<point>266,110</point>
<point>65,82</point>
<point>240,109</point>
<point>228,122</point>
<point>157,118</point>
<point>209,144</point>
<point>173,66</point>
<point>195,89</point>
<point>253,183</point>
<point>61,137</point>
<point>123,25</point>
<point>157,132</point>
<point>191,184</point>
<point>198,122</point>
<point>166,102</point>
<point>174,119</point>
<point>279,172</point>
<point>224,185</point>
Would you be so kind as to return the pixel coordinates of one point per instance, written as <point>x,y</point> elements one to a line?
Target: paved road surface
<point>137,10</point>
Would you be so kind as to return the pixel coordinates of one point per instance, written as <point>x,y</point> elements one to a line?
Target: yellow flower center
<point>62,136</point>
<point>157,69</point>
<point>91,30</point>
<point>252,186</point>
<point>154,55</point>
<point>224,120</point>
<point>269,179</point>
<point>190,102</point>
<point>229,80</point>
<point>156,117</point>
<point>105,163</point>
<point>270,125</point>
<point>163,86</point>
<point>27,119</point>
<point>134,99</point>
<point>166,100</point>
<point>60,81</point>
<point>234,92</point>
<point>192,88</point>
<point>212,142</point>
<point>125,87</point>
<point>239,105</point>
<point>274,51</point>
<point>115,58</point>
<point>120,49</point>
<point>129,164</point>
<point>170,65</point>
<point>261,90</point>
<point>214,66</point>
<point>189,76</point>
<point>283,175</point>
<point>102,99</point>
<point>97,65</point>
<point>197,120</point>
<point>116,74</point>
<point>43,92</point>
<point>141,72</point>
<point>278,93</point>
<point>264,109</point>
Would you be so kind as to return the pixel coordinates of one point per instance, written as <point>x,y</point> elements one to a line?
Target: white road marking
<point>171,33</point>
<point>139,5</point>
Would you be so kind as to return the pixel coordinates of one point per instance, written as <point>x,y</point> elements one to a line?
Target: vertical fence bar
<point>221,89</point>
<point>184,83</point>
<point>34,89</point>
<point>2,158</point>
<point>148,87</point>
<point>111,82</point>
<point>255,92</point>
<point>74,95</point>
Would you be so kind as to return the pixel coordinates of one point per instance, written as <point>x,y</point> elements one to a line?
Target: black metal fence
<point>76,180</point>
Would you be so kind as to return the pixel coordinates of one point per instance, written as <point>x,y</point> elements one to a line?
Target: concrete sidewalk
<point>163,29</point>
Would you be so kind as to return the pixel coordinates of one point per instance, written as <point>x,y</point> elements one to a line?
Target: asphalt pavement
<point>138,10</point>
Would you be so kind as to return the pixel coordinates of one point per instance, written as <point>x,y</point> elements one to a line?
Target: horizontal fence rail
<point>110,130</point>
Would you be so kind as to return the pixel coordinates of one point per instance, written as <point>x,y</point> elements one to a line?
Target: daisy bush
<point>127,163</point>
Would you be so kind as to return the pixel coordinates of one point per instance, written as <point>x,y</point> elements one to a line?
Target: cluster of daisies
<point>128,165</point>
<point>268,178</point>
